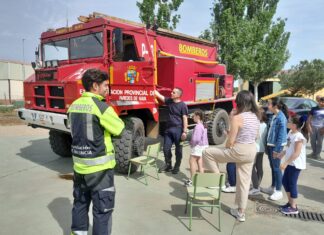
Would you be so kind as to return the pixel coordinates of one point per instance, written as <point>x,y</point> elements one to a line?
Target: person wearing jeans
<point>231,177</point>
<point>277,139</point>
<point>316,128</point>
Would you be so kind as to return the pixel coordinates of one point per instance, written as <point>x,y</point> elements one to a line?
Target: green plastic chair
<point>200,192</point>
<point>147,161</point>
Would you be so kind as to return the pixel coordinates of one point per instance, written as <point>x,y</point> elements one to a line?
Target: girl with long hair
<point>294,161</point>
<point>277,139</point>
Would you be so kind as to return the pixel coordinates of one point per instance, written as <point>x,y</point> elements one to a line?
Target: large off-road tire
<point>60,143</point>
<point>124,151</point>
<point>217,126</point>
<point>136,126</point>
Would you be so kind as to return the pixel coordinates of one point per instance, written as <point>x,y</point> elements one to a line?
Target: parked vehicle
<point>139,60</point>
<point>300,106</point>
<point>296,105</point>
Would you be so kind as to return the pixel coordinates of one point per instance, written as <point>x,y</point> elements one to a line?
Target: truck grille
<point>50,97</point>
<point>40,102</point>
<point>56,91</point>
<point>39,90</point>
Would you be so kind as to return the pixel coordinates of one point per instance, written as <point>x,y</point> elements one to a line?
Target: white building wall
<point>4,92</point>
<point>13,72</point>
<point>17,90</point>
<point>3,70</point>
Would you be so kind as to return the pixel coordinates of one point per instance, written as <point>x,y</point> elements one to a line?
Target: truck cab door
<point>132,78</point>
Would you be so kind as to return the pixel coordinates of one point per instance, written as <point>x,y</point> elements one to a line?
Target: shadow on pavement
<point>315,163</point>
<point>60,209</point>
<point>179,190</point>
<point>178,211</point>
<point>311,193</point>
<point>39,152</point>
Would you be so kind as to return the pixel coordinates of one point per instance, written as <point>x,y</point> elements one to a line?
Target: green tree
<point>304,78</point>
<point>164,16</point>
<point>252,45</point>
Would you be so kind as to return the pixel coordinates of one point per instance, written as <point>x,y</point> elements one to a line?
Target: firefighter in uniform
<point>92,124</point>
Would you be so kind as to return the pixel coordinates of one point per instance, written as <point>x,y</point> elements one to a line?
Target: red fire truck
<point>139,59</point>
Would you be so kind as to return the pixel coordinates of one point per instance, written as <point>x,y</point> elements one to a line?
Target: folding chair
<point>147,161</point>
<point>200,192</point>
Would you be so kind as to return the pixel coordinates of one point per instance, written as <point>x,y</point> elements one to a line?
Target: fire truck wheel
<point>136,126</point>
<point>123,151</point>
<point>60,143</point>
<point>216,128</point>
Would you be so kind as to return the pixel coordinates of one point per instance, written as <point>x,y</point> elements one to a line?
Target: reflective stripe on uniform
<point>79,232</point>
<point>93,161</point>
<point>111,189</point>
<point>89,127</point>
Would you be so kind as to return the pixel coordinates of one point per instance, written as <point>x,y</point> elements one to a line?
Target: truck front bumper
<point>43,119</point>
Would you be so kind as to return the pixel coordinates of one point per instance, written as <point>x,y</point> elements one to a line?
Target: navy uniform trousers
<point>173,136</point>
<point>99,189</point>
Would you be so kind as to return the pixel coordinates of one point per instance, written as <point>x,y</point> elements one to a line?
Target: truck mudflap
<point>43,119</point>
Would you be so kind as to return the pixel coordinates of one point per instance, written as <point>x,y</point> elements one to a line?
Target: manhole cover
<point>265,207</point>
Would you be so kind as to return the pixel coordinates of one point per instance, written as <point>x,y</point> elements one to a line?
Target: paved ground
<point>34,199</point>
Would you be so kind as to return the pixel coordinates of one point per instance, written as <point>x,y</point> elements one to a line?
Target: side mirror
<point>33,64</point>
<point>118,43</point>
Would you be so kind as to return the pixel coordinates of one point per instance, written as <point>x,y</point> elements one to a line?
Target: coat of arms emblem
<point>131,75</point>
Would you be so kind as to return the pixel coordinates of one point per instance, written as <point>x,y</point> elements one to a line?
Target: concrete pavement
<point>34,199</point>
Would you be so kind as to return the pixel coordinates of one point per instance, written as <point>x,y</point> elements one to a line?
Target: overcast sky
<point>26,19</point>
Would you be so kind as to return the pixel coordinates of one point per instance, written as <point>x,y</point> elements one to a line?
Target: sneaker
<point>290,210</point>
<point>239,216</point>
<point>254,191</point>
<point>230,189</point>
<point>284,206</point>
<point>188,183</point>
<point>277,195</point>
<point>165,168</point>
<point>270,190</point>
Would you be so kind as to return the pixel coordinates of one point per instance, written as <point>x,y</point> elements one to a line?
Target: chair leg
<point>219,218</point>
<point>190,219</point>
<point>129,168</point>
<point>187,204</point>
<point>212,208</point>
<point>157,171</point>
<point>145,176</point>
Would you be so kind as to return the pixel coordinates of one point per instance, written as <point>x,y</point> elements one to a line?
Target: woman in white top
<point>294,161</point>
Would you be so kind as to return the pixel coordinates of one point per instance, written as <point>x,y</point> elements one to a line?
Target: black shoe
<point>175,170</point>
<point>165,168</point>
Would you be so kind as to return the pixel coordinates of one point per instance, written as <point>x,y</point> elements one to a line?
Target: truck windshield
<point>86,46</point>
<point>58,50</point>
<point>80,47</point>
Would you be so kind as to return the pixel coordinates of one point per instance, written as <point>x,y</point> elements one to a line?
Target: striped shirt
<point>247,134</point>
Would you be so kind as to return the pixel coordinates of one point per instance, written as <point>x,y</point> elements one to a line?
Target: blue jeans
<point>275,169</point>
<point>172,136</point>
<point>231,173</point>
<point>289,180</point>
